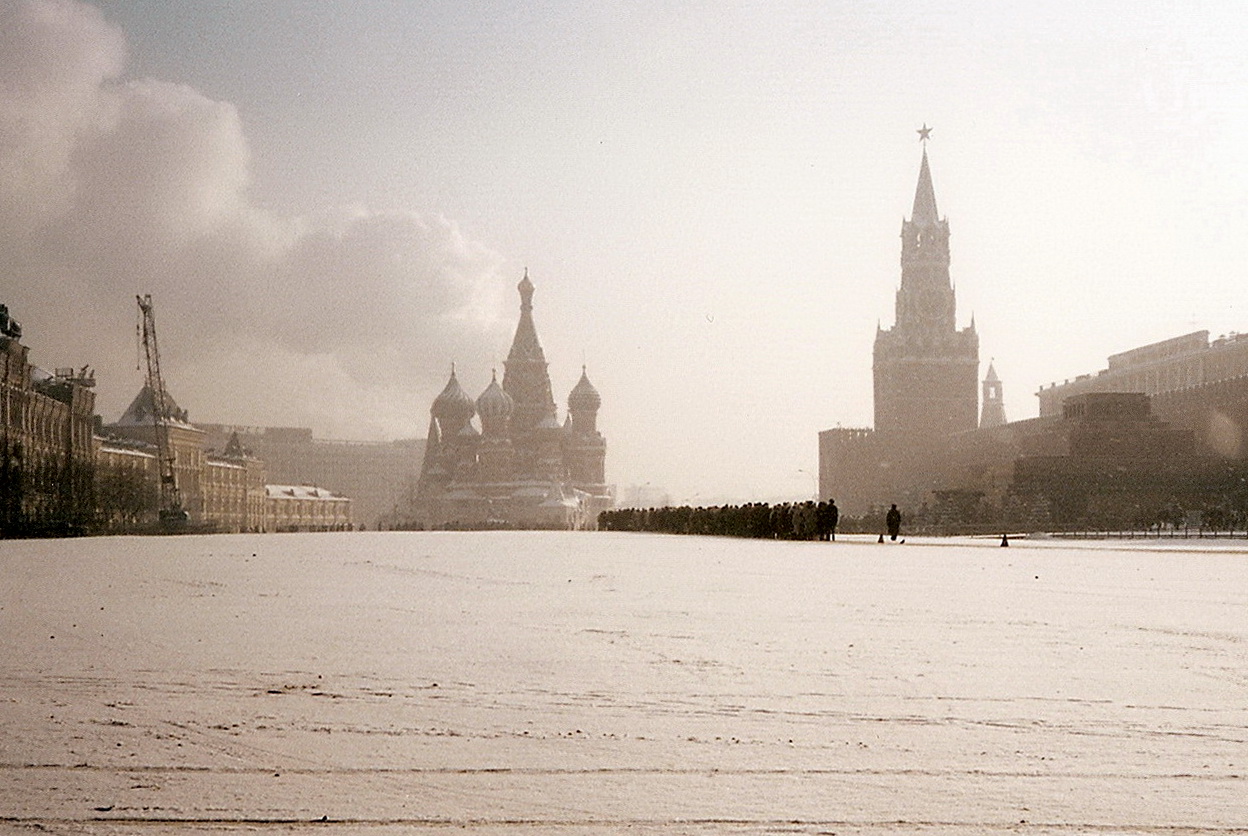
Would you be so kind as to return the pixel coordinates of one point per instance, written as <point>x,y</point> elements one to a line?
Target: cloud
<point>112,186</point>
<point>161,166</point>
<point>55,58</point>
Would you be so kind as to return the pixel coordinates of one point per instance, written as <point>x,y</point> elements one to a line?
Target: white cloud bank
<point>111,187</point>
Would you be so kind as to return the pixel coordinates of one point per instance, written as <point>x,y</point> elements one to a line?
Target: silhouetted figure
<point>892,520</point>
<point>805,521</point>
<point>833,517</point>
<point>1005,539</point>
<point>782,521</point>
<point>821,520</point>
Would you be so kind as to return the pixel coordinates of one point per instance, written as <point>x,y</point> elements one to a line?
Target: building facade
<point>47,453</point>
<point>375,474</point>
<point>127,479</point>
<point>221,490</point>
<point>522,468</point>
<point>234,489</point>
<point>291,508</point>
<point>63,472</point>
<point>1108,462</point>
<point>185,444</point>
<point>1192,382</point>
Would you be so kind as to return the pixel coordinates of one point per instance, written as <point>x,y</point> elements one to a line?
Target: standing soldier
<point>828,516</point>
<point>893,521</point>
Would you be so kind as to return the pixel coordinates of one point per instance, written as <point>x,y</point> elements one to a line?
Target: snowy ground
<point>513,682</point>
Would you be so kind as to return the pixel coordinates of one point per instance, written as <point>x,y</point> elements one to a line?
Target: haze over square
<point>333,203</point>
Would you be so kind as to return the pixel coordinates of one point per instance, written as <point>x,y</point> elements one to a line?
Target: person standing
<point>821,520</point>
<point>893,522</point>
<point>834,517</point>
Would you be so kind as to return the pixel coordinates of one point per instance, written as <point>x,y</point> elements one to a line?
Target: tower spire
<point>924,212</point>
<point>993,413</point>
<point>525,377</point>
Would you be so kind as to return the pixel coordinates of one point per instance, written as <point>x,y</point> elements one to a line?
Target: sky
<point>331,202</point>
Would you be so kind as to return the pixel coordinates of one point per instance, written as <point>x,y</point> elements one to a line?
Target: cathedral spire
<point>525,345</point>
<point>525,377</point>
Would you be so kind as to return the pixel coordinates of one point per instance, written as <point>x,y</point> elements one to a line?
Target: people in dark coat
<point>829,516</point>
<point>893,521</point>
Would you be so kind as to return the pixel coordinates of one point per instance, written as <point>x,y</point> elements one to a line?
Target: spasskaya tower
<point>926,369</point>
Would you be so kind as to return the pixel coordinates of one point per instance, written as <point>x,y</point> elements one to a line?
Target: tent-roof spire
<point>924,212</point>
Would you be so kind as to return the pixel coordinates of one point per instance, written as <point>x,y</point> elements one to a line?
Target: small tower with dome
<point>587,449</point>
<point>495,456</point>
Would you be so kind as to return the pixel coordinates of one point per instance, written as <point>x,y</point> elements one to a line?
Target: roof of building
<point>300,492</point>
<point>494,402</point>
<point>453,405</point>
<point>123,448</point>
<point>234,448</point>
<point>525,345</point>
<point>525,377</point>
<point>584,396</point>
<point>142,409</point>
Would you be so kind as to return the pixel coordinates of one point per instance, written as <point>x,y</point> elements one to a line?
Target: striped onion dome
<point>584,397</point>
<point>494,402</point>
<point>453,407</point>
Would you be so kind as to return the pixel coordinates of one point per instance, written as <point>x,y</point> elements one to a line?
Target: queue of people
<point>784,521</point>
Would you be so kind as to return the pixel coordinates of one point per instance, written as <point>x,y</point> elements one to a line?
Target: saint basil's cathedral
<point>521,468</point>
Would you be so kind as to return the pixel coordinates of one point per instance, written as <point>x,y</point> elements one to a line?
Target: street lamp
<point>814,482</point>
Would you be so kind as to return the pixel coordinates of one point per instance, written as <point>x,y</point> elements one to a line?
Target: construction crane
<point>171,511</point>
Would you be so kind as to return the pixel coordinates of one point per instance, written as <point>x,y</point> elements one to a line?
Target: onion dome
<point>526,291</point>
<point>495,407</point>
<point>494,402</point>
<point>453,407</point>
<point>584,397</point>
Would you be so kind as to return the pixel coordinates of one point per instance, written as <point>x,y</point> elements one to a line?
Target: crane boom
<point>171,510</point>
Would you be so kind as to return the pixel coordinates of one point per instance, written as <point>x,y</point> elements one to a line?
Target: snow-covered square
<point>588,683</point>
